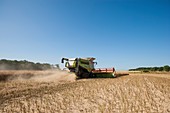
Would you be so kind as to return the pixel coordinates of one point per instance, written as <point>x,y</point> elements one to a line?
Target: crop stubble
<point>126,94</point>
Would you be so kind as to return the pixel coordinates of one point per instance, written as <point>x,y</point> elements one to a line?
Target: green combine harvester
<point>84,68</point>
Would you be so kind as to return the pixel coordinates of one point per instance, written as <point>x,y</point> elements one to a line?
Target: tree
<point>166,68</point>
<point>23,65</point>
<point>154,69</point>
<point>161,69</point>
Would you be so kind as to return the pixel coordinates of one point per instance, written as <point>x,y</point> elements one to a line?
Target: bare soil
<point>143,93</point>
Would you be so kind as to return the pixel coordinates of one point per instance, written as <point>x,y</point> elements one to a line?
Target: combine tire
<point>115,74</point>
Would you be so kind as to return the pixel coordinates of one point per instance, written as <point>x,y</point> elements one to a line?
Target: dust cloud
<point>38,76</point>
<point>56,76</point>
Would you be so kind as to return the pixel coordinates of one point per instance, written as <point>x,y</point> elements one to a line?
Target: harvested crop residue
<point>125,94</point>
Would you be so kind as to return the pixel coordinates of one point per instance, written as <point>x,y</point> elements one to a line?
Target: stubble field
<point>60,92</point>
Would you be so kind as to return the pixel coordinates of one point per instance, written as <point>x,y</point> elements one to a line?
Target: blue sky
<point>120,33</point>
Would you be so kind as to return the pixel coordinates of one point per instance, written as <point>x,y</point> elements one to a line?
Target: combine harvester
<point>84,68</point>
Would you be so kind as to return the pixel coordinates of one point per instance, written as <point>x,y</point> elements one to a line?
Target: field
<point>48,91</point>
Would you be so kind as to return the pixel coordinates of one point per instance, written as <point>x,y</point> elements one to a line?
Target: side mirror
<point>62,60</point>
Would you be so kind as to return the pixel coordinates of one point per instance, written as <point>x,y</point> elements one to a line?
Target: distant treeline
<point>25,65</point>
<point>148,69</point>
